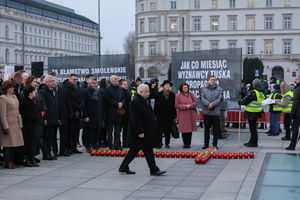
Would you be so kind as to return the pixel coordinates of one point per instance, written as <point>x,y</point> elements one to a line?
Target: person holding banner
<point>211,97</point>
<point>186,103</point>
<point>253,109</point>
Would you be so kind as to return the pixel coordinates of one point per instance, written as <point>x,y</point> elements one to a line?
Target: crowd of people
<point>115,115</point>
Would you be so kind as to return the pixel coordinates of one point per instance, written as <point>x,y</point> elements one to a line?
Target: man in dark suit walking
<point>141,132</point>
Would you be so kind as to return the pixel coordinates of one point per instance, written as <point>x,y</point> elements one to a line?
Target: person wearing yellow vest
<point>275,110</point>
<point>253,109</point>
<point>286,104</point>
<point>295,115</point>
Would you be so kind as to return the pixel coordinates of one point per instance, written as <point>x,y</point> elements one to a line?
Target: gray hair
<point>141,88</point>
<point>48,78</point>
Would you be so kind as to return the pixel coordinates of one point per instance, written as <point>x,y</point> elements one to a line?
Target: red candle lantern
<point>182,155</point>
<point>241,155</point>
<point>219,155</point>
<point>246,155</point>
<point>177,155</point>
<point>251,155</point>
<point>224,155</point>
<point>230,155</point>
<point>142,154</point>
<point>203,161</point>
<point>235,156</point>
<point>162,154</point>
<point>168,155</point>
<point>214,155</point>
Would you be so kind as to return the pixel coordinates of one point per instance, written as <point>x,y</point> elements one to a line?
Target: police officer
<point>275,110</point>
<point>286,104</point>
<point>253,109</point>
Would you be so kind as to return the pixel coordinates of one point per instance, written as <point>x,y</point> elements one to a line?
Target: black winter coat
<point>49,104</point>
<point>296,102</point>
<point>165,111</point>
<point>113,96</point>
<point>75,100</point>
<point>141,120</point>
<point>127,96</point>
<point>64,106</point>
<point>30,113</point>
<point>93,108</point>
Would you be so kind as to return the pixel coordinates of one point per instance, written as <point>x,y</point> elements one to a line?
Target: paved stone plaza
<point>84,177</point>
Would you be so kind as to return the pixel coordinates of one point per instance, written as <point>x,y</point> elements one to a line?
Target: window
<point>197,24</point>
<point>16,27</point>
<point>287,2</point>
<point>197,45</point>
<point>250,47</point>
<point>214,21</point>
<point>214,3</point>
<point>173,24</point>
<point>250,22</point>
<point>142,26</point>
<point>173,5</point>
<point>231,3</point>
<point>287,22</point>
<point>173,47</point>
<point>16,58</point>
<point>152,49</point>
<point>142,7</point>
<point>287,46</point>
<point>16,39</point>
<point>7,56</point>
<point>232,44</point>
<point>232,23</point>
<point>268,22</point>
<point>30,29</point>
<point>153,6</point>
<point>269,47</point>
<point>250,3</point>
<point>142,49</point>
<point>197,4</point>
<point>214,45</point>
<point>6,32</point>
<point>141,72</point>
<point>268,3</point>
<point>152,25</point>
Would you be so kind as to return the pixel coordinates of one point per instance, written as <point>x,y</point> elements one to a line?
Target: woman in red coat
<point>186,103</point>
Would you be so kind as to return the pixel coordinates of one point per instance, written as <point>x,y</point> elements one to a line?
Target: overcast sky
<point>117,19</point>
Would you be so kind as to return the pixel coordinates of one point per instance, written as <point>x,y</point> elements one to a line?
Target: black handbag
<point>175,133</point>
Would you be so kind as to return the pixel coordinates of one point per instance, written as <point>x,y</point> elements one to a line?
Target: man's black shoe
<point>158,173</point>
<point>250,145</point>
<point>290,148</point>
<point>49,158</point>
<point>187,146</point>
<point>205,147</point>
<point>64,154</point>
<point>37,160</point>
<point>126,171</point>
<point>77,152</point>
<point>222,137</point>
<point>285,138</point>
<point>167,146</point>
<point>273,134</point>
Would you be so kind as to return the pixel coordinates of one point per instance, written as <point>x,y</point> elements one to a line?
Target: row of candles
<point>200,157</point>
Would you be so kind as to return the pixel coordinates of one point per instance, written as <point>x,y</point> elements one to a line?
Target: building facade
<point>33,30</point>
<point>268,29</point>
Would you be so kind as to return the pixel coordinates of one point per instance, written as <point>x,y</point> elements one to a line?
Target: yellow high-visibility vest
<point>255,106</point>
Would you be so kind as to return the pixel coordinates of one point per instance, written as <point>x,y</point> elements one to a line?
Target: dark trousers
<point>253,130</point>
<point>287,124</point>
<point>30,141</point>
<point>167,135</point>
<point>84,138</point>
<point>295,131</point>
<point>274,124</point>
<point>186,138</point>
<point>124,131</point>
<point>49,134</point>
<point>74,129</point>
<point>103,135</point>
<point>114,134</point>
<point>63,140</point>
<point>148,154</point>
<point>91,137</point>
<point>214,122</point>
<point>9,154</point>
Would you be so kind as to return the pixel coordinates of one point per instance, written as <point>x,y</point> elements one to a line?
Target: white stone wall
<point>185,8</point>
<point>43,38</point>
